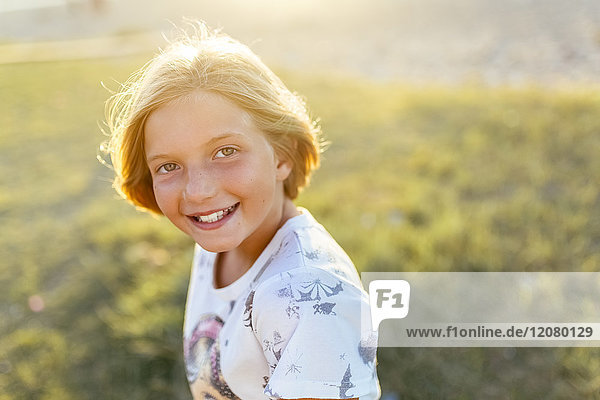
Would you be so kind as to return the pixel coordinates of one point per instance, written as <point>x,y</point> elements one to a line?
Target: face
<point>215,175</point>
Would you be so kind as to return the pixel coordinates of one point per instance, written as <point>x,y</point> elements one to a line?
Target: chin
<point>216,247</point>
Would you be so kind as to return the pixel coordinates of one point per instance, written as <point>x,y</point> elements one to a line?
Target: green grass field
<point>416,179</point>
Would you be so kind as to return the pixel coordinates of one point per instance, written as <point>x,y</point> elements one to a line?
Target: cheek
<point>250,179</point>
<point>164,198</point>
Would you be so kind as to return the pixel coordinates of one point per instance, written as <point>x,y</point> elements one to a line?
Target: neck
<point>231,265</point>
<point>251,251</point>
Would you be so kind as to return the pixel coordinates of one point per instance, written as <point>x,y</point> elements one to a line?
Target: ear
<point>283,167</point>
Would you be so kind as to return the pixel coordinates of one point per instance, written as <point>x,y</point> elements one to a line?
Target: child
<point>208,136</point>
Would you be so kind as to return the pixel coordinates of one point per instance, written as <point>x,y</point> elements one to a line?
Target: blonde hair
<point>211,61</point>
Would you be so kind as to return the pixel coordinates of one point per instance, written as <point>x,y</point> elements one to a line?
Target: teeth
<point>214,217</point>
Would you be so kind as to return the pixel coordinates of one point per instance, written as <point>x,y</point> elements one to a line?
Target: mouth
<point>214,216</point>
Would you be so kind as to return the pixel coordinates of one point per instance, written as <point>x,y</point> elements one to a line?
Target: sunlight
<point>15,5</point>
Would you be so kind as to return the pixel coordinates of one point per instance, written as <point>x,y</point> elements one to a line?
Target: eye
<point>225,152</point>
<point>166,168</point>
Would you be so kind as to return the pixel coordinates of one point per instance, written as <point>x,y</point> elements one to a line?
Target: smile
<point>215,216</point>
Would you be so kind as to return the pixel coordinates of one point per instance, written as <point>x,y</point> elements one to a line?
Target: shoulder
<point>307,275</point>
<point>307,246</point>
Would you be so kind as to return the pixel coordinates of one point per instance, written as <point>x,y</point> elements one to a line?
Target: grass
<point>416,179</point>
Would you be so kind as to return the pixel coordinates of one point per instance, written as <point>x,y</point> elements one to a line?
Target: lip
<point>212,225</point>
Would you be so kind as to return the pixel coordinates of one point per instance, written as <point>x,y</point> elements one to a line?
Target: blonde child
<point>208,136</point>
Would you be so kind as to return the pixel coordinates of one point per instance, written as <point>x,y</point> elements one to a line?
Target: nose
<point>199,186</point>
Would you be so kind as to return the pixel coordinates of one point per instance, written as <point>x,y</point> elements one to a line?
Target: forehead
<point>209,107</point>
<point>200,117</point>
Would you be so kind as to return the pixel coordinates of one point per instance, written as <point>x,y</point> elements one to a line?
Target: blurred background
<point>465,137</point>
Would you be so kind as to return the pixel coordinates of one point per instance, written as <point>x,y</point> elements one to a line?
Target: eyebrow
<point>215,139</point>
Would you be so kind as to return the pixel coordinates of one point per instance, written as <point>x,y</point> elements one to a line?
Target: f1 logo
<point>388,299</point>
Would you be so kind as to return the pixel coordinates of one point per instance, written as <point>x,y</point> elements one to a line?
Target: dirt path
<point>549,42</point>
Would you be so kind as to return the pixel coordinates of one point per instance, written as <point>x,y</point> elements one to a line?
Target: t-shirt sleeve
<point>308,322</point>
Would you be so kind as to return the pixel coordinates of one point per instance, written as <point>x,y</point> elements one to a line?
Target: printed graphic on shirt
<point>324,308</point>
<point>248,311</point>
<point>272,349</point>
<point>294,367</point>
<point>313,290</point>
<point>367,349</point>
<point>269,392</point>
<point>346,385</point>
<point>202,361</point>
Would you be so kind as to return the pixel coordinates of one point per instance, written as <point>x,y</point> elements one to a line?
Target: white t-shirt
<point>290,327</point>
